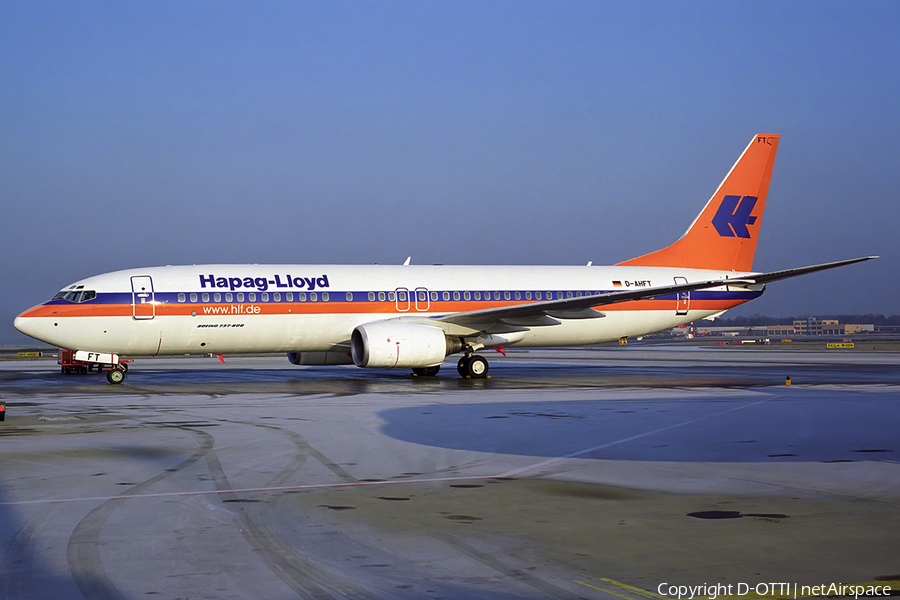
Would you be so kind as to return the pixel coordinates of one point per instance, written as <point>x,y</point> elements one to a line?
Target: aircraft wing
<point>538,314</point>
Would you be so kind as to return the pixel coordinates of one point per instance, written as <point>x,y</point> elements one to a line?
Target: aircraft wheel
<point>478,367</point>
<point>427,371</point>
<point>473,366</point>
<point>115,376</point>
<point>463,366</point>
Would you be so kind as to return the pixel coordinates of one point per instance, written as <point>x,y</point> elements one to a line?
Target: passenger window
<point>264,297</point>
<point>228,297</point>
<point>445,295</point>
<point>193,296</point>
<point>496,295</point>
<point>252,296</point>
<point>349,296</point>
<point>371,296</point>
<point>423,297</point>
<point>392,296</point>
<point>456,295</point>
<point>276,297</point>
<point>205,297</point>
<point>240,297</point>
<point>289,296</point>
<point>518,295</point>
<point>434,296</point>
<point>302,296</point>
<point>182,297</point>
<point>313,297</point>
<point>381,296</point>
<point>402,296</point>
<point>568,294</point>
<point>537,296</point>
<point>506,295</point>
<point>324,296</point>
<point>477,295</point>
<point>467,296</point>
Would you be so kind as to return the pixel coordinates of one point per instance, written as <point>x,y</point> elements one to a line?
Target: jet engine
<point>320,358</point>
<point>400,344</point>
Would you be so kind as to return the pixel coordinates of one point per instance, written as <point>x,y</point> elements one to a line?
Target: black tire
<point>463,367</point>
<point>477,367</point>
<point>115,376</point>
<point>427,371</point>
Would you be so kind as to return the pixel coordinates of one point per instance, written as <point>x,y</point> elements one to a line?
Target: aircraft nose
<point>27,325</point>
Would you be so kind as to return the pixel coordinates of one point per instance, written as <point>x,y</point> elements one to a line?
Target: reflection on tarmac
<point>569,474</point>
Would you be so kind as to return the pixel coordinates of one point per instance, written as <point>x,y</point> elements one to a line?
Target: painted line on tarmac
<point>604,590</point>
<point>259,490</point>
<point>560,459</point>
<point>507,475</point>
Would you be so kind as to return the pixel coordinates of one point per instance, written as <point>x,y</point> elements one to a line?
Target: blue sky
<point>150,133</point>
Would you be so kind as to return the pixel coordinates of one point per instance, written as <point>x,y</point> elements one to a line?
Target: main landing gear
<point>472,366</point>
<point>426,371</point>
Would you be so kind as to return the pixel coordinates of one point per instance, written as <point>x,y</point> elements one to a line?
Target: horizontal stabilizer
<point>788,273</point>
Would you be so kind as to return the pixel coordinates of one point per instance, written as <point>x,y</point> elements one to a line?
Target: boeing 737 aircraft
<point>408,316</point>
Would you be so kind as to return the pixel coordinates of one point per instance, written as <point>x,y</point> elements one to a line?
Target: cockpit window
<point>76,295</point>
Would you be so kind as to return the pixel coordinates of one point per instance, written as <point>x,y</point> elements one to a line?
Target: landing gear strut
<point>472,366</point>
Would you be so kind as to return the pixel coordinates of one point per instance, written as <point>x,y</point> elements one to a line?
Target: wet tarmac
<point>597,473</point>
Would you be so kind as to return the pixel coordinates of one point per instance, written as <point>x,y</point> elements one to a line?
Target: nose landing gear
<point>116,375</point>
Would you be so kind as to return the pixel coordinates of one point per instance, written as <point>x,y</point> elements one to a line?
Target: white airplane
<point>384,316</point>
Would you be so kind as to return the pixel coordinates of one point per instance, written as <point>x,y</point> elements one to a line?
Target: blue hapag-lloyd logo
<point>261,284</point>
<point>733,216</point>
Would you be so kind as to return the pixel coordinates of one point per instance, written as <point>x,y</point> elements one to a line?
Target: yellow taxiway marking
<point>605,590</point>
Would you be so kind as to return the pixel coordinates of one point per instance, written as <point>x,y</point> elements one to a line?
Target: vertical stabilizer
<point>723,236</point>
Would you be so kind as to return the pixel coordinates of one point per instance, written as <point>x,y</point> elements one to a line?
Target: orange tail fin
<point>723,236</point>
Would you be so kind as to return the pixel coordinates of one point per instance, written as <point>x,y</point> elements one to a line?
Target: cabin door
<point>142,299</point>
<point>402,299</point>
<point>682,299</point>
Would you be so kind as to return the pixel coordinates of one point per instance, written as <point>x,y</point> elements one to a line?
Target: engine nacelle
<point>400,344</point>
<point>320,358</point>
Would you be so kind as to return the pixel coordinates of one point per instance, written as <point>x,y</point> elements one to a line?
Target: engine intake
<point>400,344</point>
